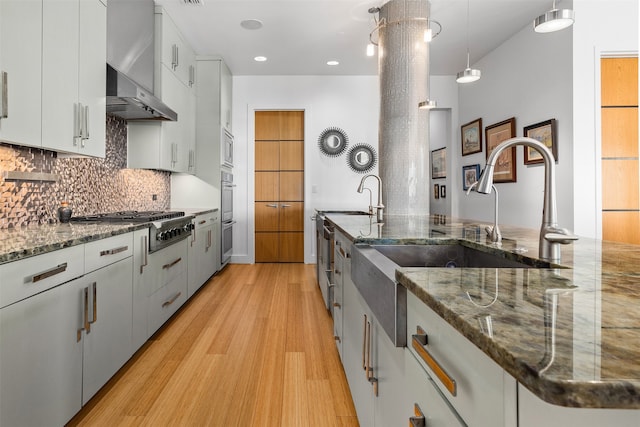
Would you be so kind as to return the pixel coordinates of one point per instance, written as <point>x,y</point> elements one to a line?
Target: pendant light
<point>469,74</point>
<point>553,20</point>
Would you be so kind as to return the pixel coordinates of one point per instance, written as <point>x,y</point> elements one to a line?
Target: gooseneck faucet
<point>379,207</point>
<point>551,236</point>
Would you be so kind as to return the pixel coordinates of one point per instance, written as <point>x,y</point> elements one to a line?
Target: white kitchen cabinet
<point>140,300</point>
<point>172,50</point>
<point>341,273</point>
<point>379,397</point>
<point>74,76</point>
<point>53,54</point>
<point>213,115</point>
<point>65,331</point>
<point>108,340</point>
<point>41,358</point>
<point>204,258</point>
<point>474,385</point>
<point>423,400</point>
<point>168,145</point>
<point>21,72</point>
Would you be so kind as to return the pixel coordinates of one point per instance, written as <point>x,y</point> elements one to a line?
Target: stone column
<point>403,135</point>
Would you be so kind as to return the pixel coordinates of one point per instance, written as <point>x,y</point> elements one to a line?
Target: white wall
<point>528,77</point>
<point>602,28</point>
<point>347,102</point>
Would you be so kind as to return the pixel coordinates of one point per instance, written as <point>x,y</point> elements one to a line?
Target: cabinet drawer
<point>107,251</point>
<point>166,301</point>
<point>423,392</point>
<point>473,383</point>
<point>24,278</point>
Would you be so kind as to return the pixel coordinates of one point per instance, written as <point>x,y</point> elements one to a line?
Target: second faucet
<point>379,207</point>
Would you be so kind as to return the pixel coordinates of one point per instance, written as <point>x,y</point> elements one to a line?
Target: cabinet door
<point>41,357</point>
<point>198,248</point>
<point>92,75</point>
<point>21,60</point>
<point>60,108</point>
<point>226,95</point>
<point>353,348</point>
<point>140,301</point>
<point>108,343</point>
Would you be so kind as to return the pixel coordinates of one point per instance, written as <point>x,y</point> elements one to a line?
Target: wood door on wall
<point>279,186</point>
<point>620,173</point>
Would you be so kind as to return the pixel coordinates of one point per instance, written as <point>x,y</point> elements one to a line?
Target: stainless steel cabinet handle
<point>174,57</point>
<point>418,419</point>
<point>114,251</point>
<point>192,74</point>
<point>338,272</point>
<point>85,314</point>
<point>271,205</point>
<point>60,268</point>
<point>193,235</point>
<point>171,264</point>
<point>94,305</point>
<point>4,98</point>
<point>370,377</point>
<point>337,338</point>
<point>209,240</point>
<point>171,300</point>
<point>85,124</point>
<point>337,305</point>
<point>419,342</point>
<point>204,221</point>
<point>145,254</point>
<point>77,131</point>
<point>286,206</point>
<point>364,343</point>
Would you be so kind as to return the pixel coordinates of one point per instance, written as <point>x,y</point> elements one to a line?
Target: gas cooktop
<point>128,216</point>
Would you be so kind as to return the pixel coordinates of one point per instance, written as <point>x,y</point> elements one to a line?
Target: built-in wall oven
<point>226,213</point>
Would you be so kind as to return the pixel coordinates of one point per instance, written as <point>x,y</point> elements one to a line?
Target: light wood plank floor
<point>254,347</point>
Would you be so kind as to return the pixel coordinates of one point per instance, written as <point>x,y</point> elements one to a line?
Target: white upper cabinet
<point>54,53</point>
<point>173,50</point>
<point>20,65</point>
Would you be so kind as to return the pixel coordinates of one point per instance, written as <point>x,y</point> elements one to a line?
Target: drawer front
<point>24,278</point>
<point>166,301</point>
<point>472,382</point>
<point>165,266</point>
<point>103,252</point>
<point>425,401</point>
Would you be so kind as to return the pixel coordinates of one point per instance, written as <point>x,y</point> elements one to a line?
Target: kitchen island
<point>568,333</point>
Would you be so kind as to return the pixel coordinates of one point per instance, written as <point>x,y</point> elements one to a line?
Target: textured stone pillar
<point>403,136</point>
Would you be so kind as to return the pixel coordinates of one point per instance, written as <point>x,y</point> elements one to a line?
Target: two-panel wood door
<point>279,186</point>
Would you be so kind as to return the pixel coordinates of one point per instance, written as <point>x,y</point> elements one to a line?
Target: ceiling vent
<point>193,2</point>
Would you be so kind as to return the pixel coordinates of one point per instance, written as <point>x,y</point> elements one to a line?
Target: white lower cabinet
<point>473,384</point>
<point>59,346</point>
<point>41,358</point>
<point>108,342</point>
<point>204,255</point>
<point>424,403</point>
<point>374,366</point>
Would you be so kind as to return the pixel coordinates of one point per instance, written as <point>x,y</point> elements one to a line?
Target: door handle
<point>94,305</point>
<point>85,315</point>
<point>145,254</point>
<point>370,377</point>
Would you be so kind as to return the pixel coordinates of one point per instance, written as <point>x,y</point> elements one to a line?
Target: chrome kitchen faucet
<point>551,236</point>
<point>379,207</point>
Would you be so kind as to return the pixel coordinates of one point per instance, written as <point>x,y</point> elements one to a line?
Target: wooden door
<point>279,186</point>
<point>620,168</point>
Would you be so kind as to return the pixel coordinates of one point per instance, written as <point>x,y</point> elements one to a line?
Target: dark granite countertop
<point>595,359</point>
<point>19,243</point>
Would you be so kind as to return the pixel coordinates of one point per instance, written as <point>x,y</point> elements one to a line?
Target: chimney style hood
<point>130,62</point>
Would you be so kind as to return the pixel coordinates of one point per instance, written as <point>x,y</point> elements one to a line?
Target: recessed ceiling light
<point>332,63</point>
<point>251,24</point>
<point>260,58</point>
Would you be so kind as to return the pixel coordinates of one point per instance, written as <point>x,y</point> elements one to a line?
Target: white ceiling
<point>299,36</point>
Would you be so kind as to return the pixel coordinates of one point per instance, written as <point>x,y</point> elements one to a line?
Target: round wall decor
<point>333,141</point>
<point>361,158</point>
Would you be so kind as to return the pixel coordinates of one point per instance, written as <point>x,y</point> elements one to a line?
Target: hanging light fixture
<point>469,74</point>
<point>553,20</point>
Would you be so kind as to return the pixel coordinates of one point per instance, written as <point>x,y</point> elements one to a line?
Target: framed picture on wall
<point>471,135</point>
<point>544,132</point>
<point>505,168</point>
<point>470,174</point>
<point>439,163</point>
<point>436,191</point>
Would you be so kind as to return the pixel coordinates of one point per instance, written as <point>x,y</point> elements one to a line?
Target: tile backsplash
<point>89,185</point>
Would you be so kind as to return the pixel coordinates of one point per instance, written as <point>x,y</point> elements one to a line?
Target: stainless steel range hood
<point>130,62</point>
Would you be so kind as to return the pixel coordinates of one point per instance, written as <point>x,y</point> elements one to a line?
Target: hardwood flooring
<point>254,347</point>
